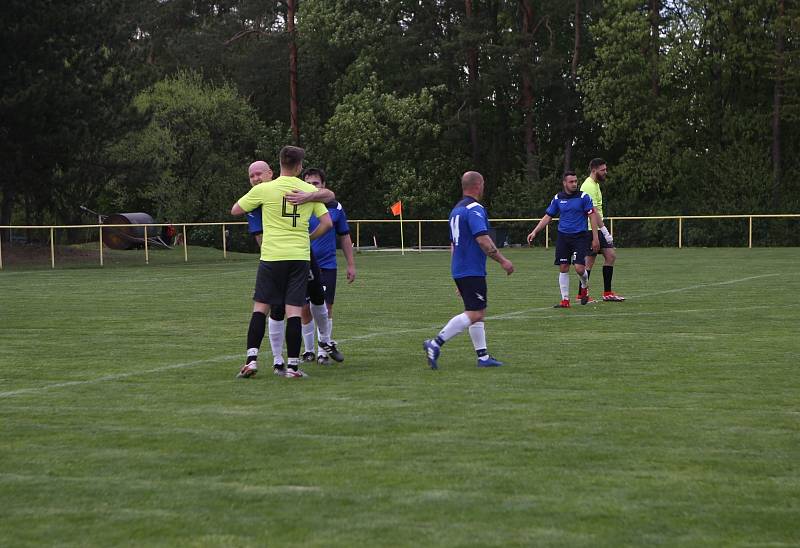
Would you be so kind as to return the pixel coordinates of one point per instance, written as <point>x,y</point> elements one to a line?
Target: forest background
<point>160,105</point>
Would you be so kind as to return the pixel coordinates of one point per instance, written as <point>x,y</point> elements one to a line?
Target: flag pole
<point>402,245</point>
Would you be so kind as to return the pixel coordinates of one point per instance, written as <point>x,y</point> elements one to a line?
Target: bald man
<point>470,244</point>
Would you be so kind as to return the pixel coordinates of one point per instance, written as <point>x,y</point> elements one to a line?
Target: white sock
<point>477,333</point>
<point>320,314</point>
<point>276,329</point>
<point>456,325</point>
<point>563,282</point>
<point>252,352</point>
<point>584,279</point>
<point>320,350</point>
<point>308,337</point>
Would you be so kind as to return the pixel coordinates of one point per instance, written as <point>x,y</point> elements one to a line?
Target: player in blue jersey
<point>470,244</point>
<point>574,240</point>
<point>324,249</point>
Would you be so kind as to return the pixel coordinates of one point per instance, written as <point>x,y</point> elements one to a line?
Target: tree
<point>64,88</point>
<point>189,162</point>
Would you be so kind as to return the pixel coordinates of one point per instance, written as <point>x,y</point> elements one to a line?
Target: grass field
<point>670,419</point>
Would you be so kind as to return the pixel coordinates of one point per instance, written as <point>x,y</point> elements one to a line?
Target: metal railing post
<point>146,249</point>
<point>750,236</point>
<point>101,245</point>
<point>680,232</point>
<point>52,249</point>
<point>419,231</point>
<point>224,243</point>
<point>185,250</point>
<point>547,237</point>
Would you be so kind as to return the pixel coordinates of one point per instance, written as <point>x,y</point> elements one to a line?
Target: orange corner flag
<point>397,208</point>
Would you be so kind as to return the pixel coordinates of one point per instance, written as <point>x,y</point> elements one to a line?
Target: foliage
<point>685,99</point>
<point>190,161</point>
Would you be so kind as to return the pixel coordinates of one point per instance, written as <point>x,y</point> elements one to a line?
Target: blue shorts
<point>473,292</point>
<point>573,248</point>
<point>328,276</point>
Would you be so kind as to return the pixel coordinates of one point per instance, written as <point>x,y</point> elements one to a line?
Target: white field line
<point>511,315</point>
<point>520,314</point>
<point>118,376</point>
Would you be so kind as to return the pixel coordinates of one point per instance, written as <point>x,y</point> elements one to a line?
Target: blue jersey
<point>571,210</point>
<point>254,222</point>
<point>324,247</point>
<point>468,220</point>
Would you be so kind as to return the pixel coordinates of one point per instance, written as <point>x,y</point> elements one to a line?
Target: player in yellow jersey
<point>285,252</point>
<point>591,186</point>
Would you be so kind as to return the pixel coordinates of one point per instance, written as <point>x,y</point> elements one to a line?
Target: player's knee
<point>476,315</point>
<point>278,313</point>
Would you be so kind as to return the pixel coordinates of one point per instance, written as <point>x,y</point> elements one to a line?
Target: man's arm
<point>237,209</point>
<point>594,219</point>
<point>324,226</point>
<point>491,251</point>
<point>298,197</point>
<point>544,222</point>
<point>347,248</point>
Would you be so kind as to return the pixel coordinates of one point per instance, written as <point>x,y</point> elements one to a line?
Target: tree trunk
<point>6,208</point>
<point>776,109</point>
<point>472,87</point>
<point>573,74</point>
<point>291,6</point>
<point>531,153</point>
<point>655,40</point>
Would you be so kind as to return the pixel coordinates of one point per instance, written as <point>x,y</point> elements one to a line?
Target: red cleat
<point>563,304</point>
<point>611,296</point>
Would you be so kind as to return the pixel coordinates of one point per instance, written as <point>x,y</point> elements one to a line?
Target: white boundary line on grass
<point>508,316</point>
<point>117,376</point>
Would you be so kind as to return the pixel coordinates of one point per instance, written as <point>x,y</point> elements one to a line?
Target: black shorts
<point>329,281</point>
<point>473,292</point>
<point>603,244</point>
<point>281,282</point>
<point>573,248</point>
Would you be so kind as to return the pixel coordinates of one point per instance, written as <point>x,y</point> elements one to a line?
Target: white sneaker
<point>248,370</point>
<point>294,373</point>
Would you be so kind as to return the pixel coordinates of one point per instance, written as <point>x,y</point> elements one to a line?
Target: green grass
<point>670,419</point>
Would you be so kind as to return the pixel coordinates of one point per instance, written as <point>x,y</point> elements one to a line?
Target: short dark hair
<point>568,173</point>
<point>291,157</point>
<point>595,163</point>
<point>314,171</point>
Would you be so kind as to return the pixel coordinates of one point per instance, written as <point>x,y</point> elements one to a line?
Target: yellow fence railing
<point>609,220</point>
<point>357,223</point>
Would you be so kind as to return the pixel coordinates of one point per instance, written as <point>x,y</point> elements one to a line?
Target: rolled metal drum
<point>128,237</point>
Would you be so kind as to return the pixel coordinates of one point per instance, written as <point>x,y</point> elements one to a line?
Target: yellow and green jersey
<point>592,188</point>
<point>285,236</point>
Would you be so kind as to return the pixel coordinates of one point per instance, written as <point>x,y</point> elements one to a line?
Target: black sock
<point>255,333</point>
<point>294,337</point>
<point>439,340</point>
<point>608,273</point>
<point>588,273</point>
<point>482,352</point>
